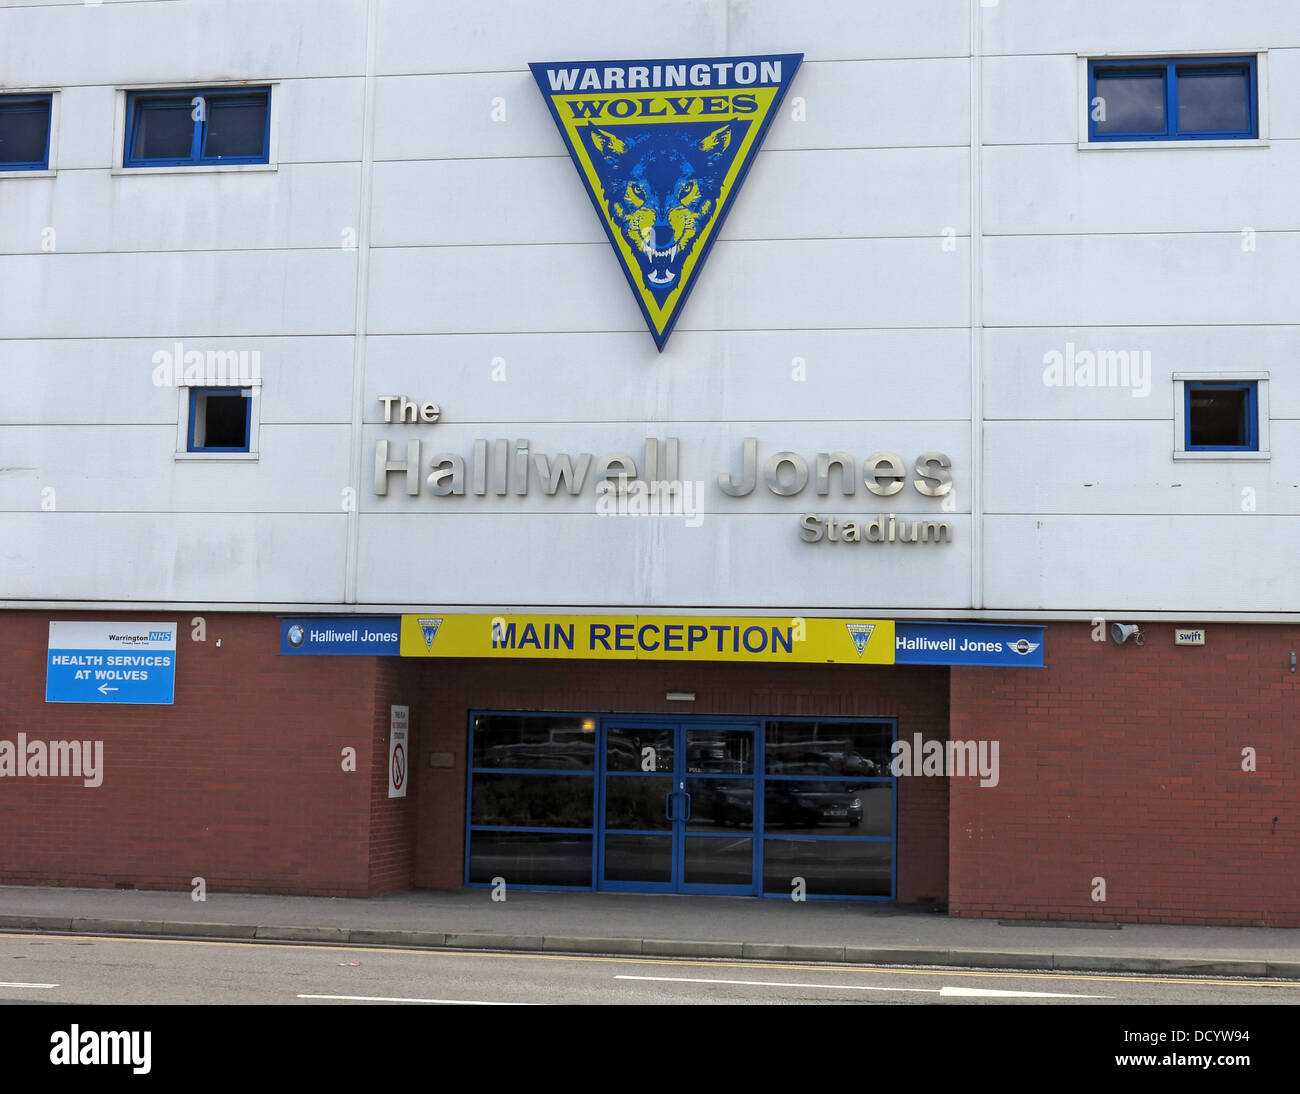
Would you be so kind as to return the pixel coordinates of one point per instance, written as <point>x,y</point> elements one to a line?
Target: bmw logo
<point>296,635</point>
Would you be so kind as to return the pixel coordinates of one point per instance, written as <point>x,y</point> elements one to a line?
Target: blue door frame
<point>679,804</point>
<point>598,775</point>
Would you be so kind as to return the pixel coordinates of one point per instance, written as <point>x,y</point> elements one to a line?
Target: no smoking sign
<point>399,727</point>
<point>399,767</point>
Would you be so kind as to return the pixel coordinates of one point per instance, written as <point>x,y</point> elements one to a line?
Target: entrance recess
<point>762,806</point>
<point>676,806</point>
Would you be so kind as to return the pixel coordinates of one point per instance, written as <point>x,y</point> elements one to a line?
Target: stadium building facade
<point>837,450</point>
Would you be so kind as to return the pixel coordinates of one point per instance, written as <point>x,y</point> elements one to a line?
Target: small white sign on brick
<point>399,750</point>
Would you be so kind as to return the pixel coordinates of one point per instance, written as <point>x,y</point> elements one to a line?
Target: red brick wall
<point>392,820</point>
<point>1124,762</point>
<point>447,691</point>
<point>240,782</point>
<point>1116,762</point>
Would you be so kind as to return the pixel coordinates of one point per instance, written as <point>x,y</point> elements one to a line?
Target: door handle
<point>688,805</point>
<point>668,808</point>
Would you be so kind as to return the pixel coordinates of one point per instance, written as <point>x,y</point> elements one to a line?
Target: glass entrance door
<point>638,845</point>
<point>677,807</point>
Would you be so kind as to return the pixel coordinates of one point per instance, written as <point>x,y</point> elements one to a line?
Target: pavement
<point>652,925</point>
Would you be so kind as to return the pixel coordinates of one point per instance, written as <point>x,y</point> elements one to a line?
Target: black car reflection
<point>810,805</point>
<point>786,805</point>
<point>732,804</point>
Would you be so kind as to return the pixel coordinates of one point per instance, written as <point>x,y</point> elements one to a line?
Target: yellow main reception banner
<point>780,639</point>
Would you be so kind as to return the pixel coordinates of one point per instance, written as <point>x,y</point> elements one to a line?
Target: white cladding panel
<point>1143,27</point>
<point>452,116</point>
<point>1101,467</point>
<point>797,195</point>
<point>702,376</point>
<point>837,312</point>
<point>1090,564</point>
<point>462,289</point>
<point>171,294</point>
<point>223,558</point>
<point>1134,280</point>
<point>298,207</point>
<point>1284,88</point>
<point>185,41</point>
<point>657,562</point>
<point>1054,189</point>
<point>1017,370</point>
<point>314,459</point>
<point>455,35</point>
<point>93,381</point>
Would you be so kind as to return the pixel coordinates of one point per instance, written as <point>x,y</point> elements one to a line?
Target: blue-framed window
<point>1173,99</point>
<point>220,419</point>
<point>530,817</point>
<point>25,132</point>
<point>1221,416</point>
<point>570,801</point>
<point>830,808</point>
<point>198,126</point>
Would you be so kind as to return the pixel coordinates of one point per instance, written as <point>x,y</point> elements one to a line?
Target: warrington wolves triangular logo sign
<point>861,634</point>
<point>663,148</point>
<point>429,629</point>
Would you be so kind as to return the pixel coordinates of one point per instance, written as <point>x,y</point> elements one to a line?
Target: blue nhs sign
<point>115,662</point>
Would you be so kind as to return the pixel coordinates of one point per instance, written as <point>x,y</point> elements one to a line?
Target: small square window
<point>1222,417</point>
<point>220,419</point>
<point>1169,99</point>
<point>236,128</point>
<point>164,130</point>
<point>1130,101</point>
<point>198,127</point>
<point>1214,99</point>
<point>25,132</point>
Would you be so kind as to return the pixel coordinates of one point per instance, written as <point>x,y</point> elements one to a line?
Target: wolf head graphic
<point>662,188</point>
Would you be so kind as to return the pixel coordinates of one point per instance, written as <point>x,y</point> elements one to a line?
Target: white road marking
<point>388,999</point>
<point>774,984</point>
<point>995,994</point>
<point>958,992</point>
<point>15,984</point>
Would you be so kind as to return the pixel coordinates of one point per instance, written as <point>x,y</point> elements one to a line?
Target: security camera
<point>1122,632</point>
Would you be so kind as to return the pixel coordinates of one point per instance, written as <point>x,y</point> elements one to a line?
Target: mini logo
<point>429,628</point>
<point>861,633</point>
<point>1024,647</point>
<point>296,635</point>
<point>663,148</point>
